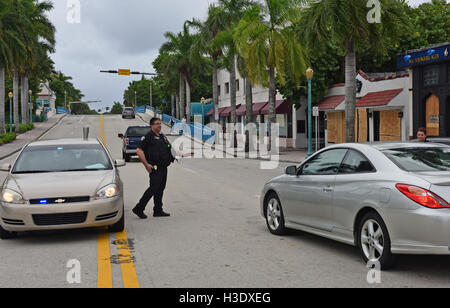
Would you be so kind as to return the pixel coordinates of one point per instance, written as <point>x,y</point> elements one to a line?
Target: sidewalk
<point>40,129</point>
<point>295,156</point>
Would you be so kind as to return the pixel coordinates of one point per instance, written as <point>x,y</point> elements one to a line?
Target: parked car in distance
<point>384,198</point>
<point>62,184</point>
<point>131,140</point>
<point>128,112</point>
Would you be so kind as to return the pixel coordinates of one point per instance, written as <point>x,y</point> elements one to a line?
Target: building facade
<point>430,88</point>
<point>46,98</point>
<point>287,116</point>
<point>382,109</point>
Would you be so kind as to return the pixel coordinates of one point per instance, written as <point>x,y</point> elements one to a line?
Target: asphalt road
<point>215,237</point>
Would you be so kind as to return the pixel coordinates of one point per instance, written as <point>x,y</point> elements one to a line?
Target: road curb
<point>36,138</point>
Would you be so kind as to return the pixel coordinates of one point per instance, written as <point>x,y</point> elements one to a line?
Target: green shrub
<point>7,138</point>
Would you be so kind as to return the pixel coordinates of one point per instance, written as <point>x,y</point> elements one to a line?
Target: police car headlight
<point>108,192</point>
<point>10,196</point>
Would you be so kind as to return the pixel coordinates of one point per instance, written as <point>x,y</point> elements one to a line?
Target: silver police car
<point>62,184</point>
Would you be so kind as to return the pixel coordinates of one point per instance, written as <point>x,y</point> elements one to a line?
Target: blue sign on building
<point>424,56</point>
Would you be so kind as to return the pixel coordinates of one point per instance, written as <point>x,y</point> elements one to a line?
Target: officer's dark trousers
<point>158,180</point>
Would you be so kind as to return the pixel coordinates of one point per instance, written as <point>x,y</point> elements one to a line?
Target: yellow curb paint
<point>104,277</point>
<point>129,276</point>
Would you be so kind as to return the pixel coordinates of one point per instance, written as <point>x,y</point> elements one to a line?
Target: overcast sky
<point>115,34</point>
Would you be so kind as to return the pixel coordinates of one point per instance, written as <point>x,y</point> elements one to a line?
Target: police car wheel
<point>120,225</point>
<point>6,235</point>
<point>126,157</point>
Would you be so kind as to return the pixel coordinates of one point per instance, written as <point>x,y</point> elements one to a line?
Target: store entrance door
<point>432,116</point>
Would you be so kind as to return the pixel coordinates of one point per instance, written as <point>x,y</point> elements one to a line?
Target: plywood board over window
<point>361,129</point>
<point>390,125</point>
<point>432,116</point>
<point>336,127</point>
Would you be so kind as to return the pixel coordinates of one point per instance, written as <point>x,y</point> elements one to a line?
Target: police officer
<point>155,152</point>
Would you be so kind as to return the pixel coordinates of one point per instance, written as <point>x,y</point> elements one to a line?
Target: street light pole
<point>309,75</point>
<point>30,105</point>
<point>135,100</point>
<point>10,95</point>
<point>203,111</point>
<point>151,92</point>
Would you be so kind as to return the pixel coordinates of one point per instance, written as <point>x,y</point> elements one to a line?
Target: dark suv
<point>131,140</point>
<point>128,112</point>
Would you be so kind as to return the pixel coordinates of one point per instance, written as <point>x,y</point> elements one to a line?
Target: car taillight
<point>422,196</point>
<point>127,141</point>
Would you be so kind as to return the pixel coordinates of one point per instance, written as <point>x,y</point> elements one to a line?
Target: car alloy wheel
<point>274,214</point>
<point>372,240</point>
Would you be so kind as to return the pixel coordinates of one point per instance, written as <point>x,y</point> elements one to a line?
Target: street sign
<point>123,72</point>
<point>316,111</point>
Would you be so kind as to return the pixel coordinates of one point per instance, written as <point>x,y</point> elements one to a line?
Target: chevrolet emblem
<point>60,201</point>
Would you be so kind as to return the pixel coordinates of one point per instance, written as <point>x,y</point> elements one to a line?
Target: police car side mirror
<point>119,163</point>
<point>121,136</point>
<point>5,167</point>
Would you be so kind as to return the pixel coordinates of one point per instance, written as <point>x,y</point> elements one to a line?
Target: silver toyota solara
<point>62,184</point>
<point>385,198</point>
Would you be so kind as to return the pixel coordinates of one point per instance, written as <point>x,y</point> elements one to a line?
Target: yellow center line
<point>104,278</point>
<point>129,276</point>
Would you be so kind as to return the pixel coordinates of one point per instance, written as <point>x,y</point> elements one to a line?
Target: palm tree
<point>267,40</point>
<point>208,31</point>
<point>39,38</point>
<point>346,23</point>
<point>180,46</point>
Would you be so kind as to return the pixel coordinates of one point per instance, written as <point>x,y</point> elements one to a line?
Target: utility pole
<point>151,92</point>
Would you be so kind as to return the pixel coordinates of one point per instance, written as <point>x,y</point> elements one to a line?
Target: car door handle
<point>328,189</point>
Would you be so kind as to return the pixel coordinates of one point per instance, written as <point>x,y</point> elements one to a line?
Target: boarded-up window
<point>361,129</point>
<point>336,127</point>
<point>390,125</point>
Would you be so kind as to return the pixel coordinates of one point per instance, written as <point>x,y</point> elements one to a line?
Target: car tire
<point>375,246</point>
<point>120,225</point>
<point>6,235</point>
<point>273,212</point>
<point>126,157</point>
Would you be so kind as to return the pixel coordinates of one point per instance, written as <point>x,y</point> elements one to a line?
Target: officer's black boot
<point>139,213</point>
<point>161,214</point>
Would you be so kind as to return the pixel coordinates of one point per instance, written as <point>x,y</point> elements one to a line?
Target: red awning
<point>281,107</point>
<point>331,102</point>
<point>223,111</point>
<point>381,98</point>
<point>227,111</point>
<point>256,109</point>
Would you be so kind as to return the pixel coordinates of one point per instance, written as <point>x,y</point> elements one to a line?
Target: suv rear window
<point>420,159</point>
<point>138,131</point>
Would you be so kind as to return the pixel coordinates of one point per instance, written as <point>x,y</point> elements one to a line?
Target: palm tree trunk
<point>248,109</point>
<point>188,102</point>
<point>16,99</point>
<point>23,99</point>
<point>182,96</point>
<point>2,100</point>
<point>177,105</point>
<point>233,99</point>
<point>215,89</point>
<point>350,90</point>
<point>272,102</point>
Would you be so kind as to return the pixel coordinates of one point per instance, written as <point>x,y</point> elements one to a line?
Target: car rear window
<point>138,131</point>
<point>420,159</point>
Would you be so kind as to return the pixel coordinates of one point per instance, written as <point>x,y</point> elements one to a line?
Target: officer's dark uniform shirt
<point>157,150</point>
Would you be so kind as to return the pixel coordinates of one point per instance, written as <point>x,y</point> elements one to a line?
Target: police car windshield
<point>138,131</point>
<point>40,159</point>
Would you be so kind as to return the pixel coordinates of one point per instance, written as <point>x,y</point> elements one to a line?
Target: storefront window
<point>431,75</point>
<point>282,121</point>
